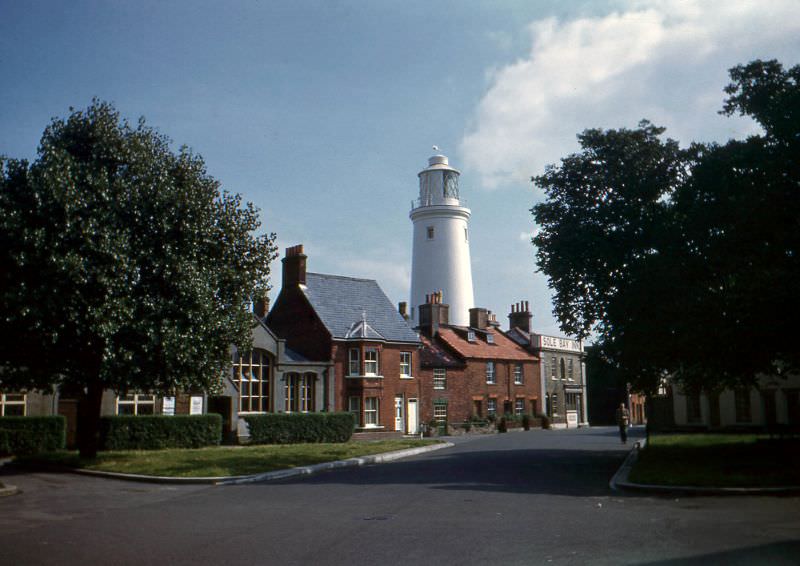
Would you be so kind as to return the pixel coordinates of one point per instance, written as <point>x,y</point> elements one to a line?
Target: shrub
<point>29,435</point>
<point>291,428</point>
<point>153,432</point>
<point>545,421</point>
<point>526,422</point>
<point>502,425</point>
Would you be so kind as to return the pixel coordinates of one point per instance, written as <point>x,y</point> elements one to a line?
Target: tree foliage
<point>683,261</point>
<point>124,266</point>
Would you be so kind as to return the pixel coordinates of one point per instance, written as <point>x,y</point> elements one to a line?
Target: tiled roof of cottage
<point>433,355</point>
<point>503,348</point>
<point>353,308</point>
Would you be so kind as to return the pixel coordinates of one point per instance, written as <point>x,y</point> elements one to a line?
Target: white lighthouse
<point>440,259</point>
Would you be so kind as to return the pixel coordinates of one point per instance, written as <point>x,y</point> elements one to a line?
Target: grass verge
<point>222,460</point>
<point>718,460</point>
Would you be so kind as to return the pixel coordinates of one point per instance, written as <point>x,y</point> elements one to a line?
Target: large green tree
<point>683,261</point>
<point>125,267</point>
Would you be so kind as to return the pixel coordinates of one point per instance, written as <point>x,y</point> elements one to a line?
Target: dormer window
<point>470,335</point>
<point>490,338</point>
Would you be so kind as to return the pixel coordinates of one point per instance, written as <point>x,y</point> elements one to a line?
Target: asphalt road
<point>539,497</point>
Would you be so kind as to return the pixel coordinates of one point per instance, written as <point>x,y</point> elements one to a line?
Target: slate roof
<point>356,308</point>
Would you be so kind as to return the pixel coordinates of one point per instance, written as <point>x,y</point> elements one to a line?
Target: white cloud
<point>664,60</point>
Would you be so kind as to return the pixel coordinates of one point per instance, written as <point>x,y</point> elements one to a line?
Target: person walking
<point>623,418</point>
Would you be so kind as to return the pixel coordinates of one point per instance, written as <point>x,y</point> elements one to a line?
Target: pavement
<point>538,497</point>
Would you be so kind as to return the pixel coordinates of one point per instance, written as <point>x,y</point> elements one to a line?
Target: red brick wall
<point>384,389</point>
<point>293,319</point>
<point>467,383</point>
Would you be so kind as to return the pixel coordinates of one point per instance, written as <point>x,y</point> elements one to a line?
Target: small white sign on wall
<point>196,405</point>
<point>168,406</point>
<point>572,419</point>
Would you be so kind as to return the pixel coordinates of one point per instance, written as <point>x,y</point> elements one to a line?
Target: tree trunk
<point>89,406</point>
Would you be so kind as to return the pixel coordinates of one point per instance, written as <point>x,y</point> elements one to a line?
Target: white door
<point>413,425</point>
<point>399,418</point>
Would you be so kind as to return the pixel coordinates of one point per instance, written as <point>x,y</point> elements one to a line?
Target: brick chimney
<point>294,266</point>
<point>433,313</point>
<point>520,316</point>
<point>479,318</point>
<point>261,306</point>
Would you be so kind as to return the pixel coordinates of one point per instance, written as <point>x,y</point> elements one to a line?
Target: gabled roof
<point>503,348</point>
<point>353,308</point>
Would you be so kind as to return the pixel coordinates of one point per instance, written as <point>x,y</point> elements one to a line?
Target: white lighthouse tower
<point>440,259</point>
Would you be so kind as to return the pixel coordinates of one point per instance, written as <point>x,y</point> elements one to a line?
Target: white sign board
<point>556,343</point>
<point>572,419</point>
<point>196,405</point>
<point>168,406</point>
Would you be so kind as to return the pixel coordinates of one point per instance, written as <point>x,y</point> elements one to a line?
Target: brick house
<point>475,370</point>
<point>563,369</point>
<point>350,324</point>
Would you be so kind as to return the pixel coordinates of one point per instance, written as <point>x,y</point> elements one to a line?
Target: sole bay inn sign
<point>556,343</point>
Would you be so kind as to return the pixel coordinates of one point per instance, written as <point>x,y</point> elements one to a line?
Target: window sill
<point>371,427</point>
<point>406,377</point>
<point>440,388</point>
<point>363,377</point>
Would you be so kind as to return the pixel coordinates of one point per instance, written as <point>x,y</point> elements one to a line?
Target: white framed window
<point>470,336</point>
<point>251,374</point>
<point>355,362</point>
<point>371,361</point>
<point>490,372</point>
<point>571,370</point>
<point>741,401</point>
<point>299,392</point>
<point>693,411</point>
<point>136,404</point>
<point>354,406</point>
<point>439,378</point>
<point>405,364</point>
<point>13,404</point>
<point>519,407</point>
<point>553,365</point>
<point>371,407</point>
<point>440,412</point>
<point>554,404</point>
<point>491,407</point>
<point>489,338</point>
<point>518,377</point>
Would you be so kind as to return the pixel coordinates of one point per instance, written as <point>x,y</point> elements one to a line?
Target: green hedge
<point>152,432</point>
<point>29,435</point>
<point>300,427</point>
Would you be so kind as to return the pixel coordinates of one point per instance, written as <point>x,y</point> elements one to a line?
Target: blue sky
<point>322,113</point>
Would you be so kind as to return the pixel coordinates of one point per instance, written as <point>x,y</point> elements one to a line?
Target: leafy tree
<point>683,261</point>
<point>124,266</point>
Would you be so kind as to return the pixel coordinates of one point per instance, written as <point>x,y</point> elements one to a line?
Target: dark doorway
<point>222,405</point>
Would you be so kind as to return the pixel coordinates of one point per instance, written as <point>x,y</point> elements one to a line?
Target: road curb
<point>6,490</point>
<point>266,476</point>
<point>620,482</point>
<point>349,463</point>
